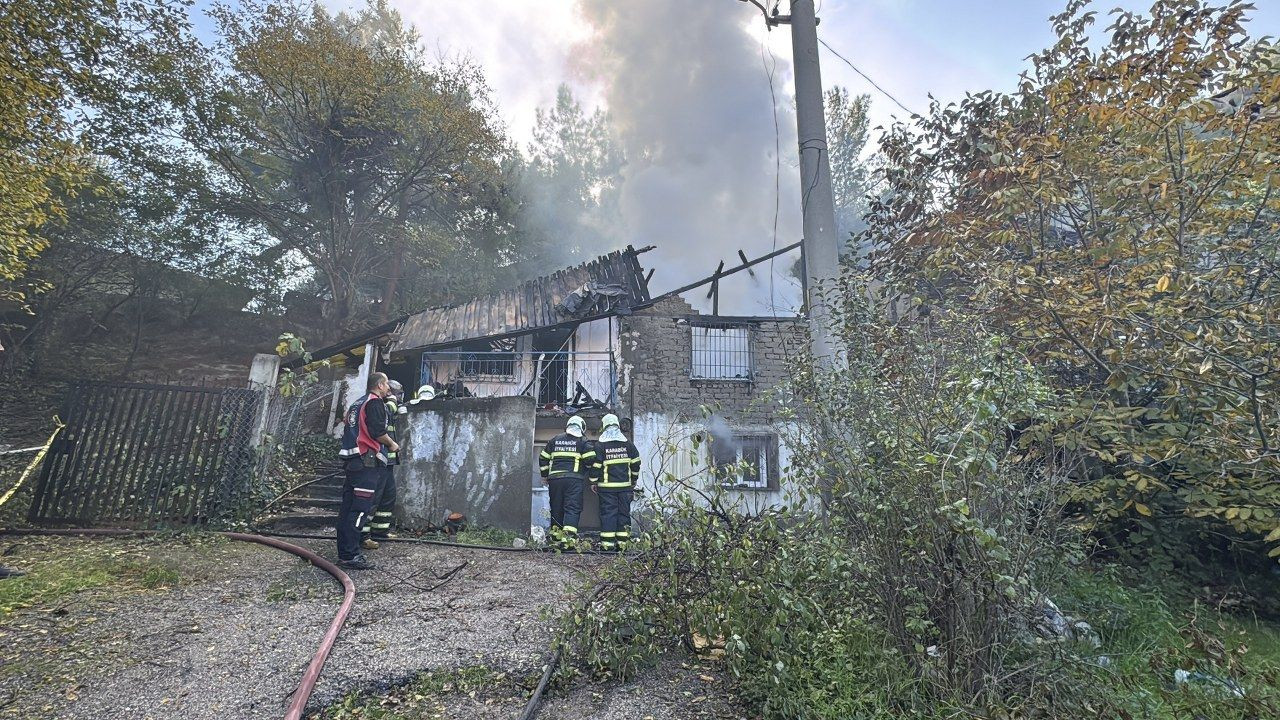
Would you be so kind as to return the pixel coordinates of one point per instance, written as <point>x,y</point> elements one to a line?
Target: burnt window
<point>746,462</point>
<point>488,360</point>
<point>721,352</point>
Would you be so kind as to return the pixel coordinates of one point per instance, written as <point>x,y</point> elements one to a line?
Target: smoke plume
<point>690,103</point>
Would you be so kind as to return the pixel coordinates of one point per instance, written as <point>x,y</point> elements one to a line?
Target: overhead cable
<point>874,84</point>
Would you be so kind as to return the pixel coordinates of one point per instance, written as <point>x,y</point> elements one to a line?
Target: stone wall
<point>474,456</point>
<point>666,404</point>
<point>656,349</point>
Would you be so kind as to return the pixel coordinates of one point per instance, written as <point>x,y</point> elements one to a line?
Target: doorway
<point>551,352</point>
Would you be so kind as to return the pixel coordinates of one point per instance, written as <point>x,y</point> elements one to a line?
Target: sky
<point>910,47</point>
<point>686,84</point>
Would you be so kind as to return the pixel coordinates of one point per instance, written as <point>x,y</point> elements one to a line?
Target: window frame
<point>699,371</point>
<point>766,443</point>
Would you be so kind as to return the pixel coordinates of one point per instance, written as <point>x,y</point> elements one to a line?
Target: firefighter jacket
<point>365,421</point>
<point>566,456</point>
<point>394,411</point>
<point>617,465</point>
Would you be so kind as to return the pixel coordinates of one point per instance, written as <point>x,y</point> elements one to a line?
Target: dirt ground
<point>218,629</point>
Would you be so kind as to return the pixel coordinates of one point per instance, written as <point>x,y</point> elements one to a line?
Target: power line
<point>874,84</point>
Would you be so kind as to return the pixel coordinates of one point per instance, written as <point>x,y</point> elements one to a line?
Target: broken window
<point>721,352</point>
<point>489,360</point>
<point>747,462</point>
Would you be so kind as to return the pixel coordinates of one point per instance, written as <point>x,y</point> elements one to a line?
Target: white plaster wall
<point>524,370</point>
<point>355,383</point>
<point>666,445</point>
<point>598,337</point>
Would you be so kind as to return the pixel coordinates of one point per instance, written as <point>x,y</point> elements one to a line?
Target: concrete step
<point>322,503</point>
<point>301,521</point>
<point>324,488</point>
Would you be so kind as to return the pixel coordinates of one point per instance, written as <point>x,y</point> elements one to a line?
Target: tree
<point>570,185</point>
<point>847,130</point>
<point>55,93</point>
<point>1119,215</point>
<point>333,135</point>
<point>123,247</point>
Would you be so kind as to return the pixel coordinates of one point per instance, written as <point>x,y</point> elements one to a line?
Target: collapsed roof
<point>609,285</point>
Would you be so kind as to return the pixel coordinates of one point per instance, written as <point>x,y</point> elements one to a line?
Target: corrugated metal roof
<point>528,307</point>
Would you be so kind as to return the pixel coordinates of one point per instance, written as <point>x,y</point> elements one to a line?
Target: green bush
<point>918,577</point>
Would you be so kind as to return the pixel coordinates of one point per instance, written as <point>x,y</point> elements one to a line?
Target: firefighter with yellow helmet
<point>567,462</point>
<point>614,480</point>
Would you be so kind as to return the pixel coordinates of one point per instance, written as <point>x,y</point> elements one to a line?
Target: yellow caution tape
<point>35,462</point>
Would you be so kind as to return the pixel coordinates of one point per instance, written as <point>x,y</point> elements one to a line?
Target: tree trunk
<point>398,241</point>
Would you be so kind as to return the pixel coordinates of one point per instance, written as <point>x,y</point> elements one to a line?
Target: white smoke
<point>690,102</point>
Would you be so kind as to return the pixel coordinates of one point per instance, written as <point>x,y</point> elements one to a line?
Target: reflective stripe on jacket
<point>393,409</point>
<point>617,465</point>
<point>568,456</point>
<point>356,438</point>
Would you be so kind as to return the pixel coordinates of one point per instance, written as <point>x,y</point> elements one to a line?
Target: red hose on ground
<point>300,696</point>
<point>308,684</point>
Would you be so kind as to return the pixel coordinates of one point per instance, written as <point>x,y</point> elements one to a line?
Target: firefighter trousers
<point>357,503</point>
<point>566,508</point>
<point>615,518</point>
<point>384,504</point>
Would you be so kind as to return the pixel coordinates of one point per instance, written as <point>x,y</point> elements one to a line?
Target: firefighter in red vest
<point>379,526</point>
<point>364,442</point>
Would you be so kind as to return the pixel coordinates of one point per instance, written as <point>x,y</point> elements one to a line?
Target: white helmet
<point>426,392</point>
<point>609,421</point>
<point>575,426</point>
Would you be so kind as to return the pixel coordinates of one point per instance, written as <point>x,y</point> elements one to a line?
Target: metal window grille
<point>493,361</point>
<point>748,462</point>
<point>552,378</point>
<point>721,352</point>
<point>488,366</point>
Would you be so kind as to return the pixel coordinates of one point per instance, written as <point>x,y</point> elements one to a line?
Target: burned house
<point>512,366</point>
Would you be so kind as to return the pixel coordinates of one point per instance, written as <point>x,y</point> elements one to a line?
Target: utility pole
<point>820,256</point>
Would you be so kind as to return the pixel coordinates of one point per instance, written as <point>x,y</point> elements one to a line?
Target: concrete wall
<point>656,353</point>
<point>472,456</point>
<point>667,446</point>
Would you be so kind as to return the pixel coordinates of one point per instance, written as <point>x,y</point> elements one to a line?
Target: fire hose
<point>298,701</point>
<point>302,694</point>
<point>445,543</point>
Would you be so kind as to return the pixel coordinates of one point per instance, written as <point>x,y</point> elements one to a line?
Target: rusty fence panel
<point>149,455</point>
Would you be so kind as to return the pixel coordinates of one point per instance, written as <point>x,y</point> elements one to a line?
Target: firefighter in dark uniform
<point>363,441</point>
<point>379,526</point>
<point>568,461</point>
<point>614,480</point>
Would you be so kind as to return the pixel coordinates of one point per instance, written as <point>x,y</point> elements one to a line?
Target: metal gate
<point>143,455</point>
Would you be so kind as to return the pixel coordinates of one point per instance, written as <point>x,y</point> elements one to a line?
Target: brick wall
<point>656,354</point>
